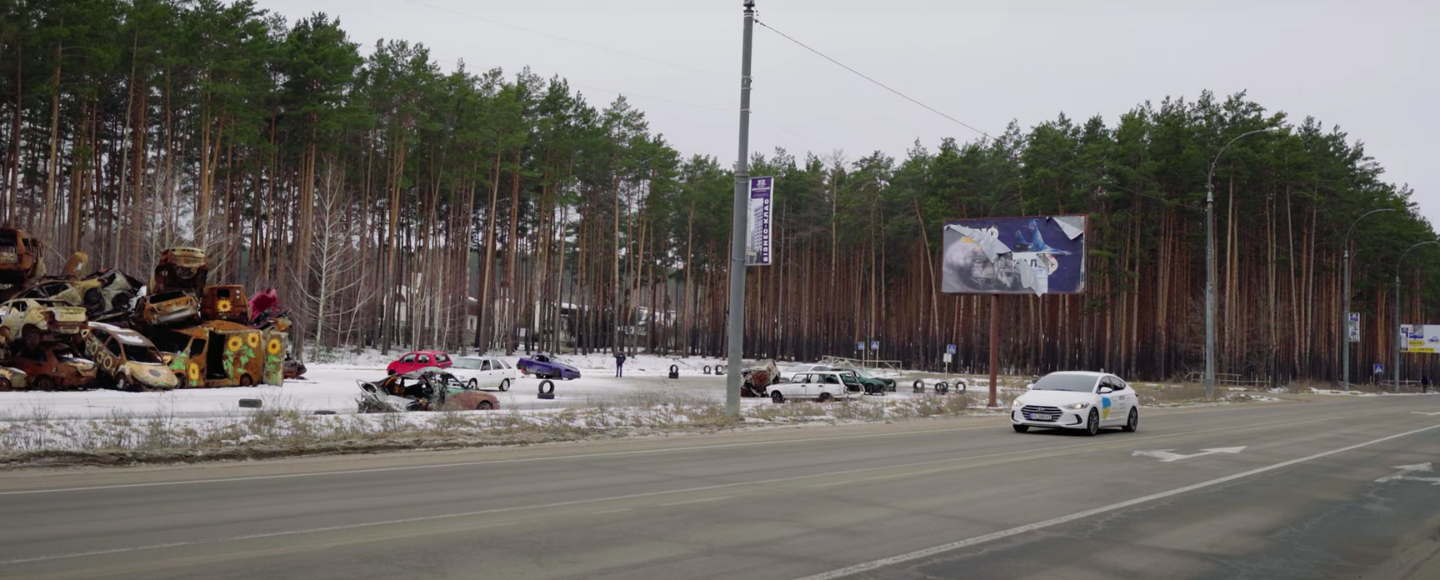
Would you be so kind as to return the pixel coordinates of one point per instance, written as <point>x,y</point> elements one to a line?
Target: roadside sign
<point>859,347</point>
<point>874,345</point>
<point>949,349</point>
<point>1353,328</point>
<point>947,358</point>
<point>1379,369</point>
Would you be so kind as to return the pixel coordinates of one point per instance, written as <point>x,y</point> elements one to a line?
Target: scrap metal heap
<point>111,330</point>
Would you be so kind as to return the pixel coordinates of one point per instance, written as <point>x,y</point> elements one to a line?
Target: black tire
<point>1021,428</point>
<point>121,302</point>
<point>777,397</point>
<point>825,397</point>
<point>960,386</point>
<point>5,384</point>
<point>246,381</point>
<point>390,372</point>
<point>1092,426</point>
<point>181,381</point>
<point>93,300</point>
<point>44,383</point>
<point>474,384</point>
<point>918,386</point>
<point>707,369</point>
<point>505,385</point>
<point>31,335</point>
<point>942,387</point>
<point>484,406</point>
<point>547,387</point>
<point>1132,423</point>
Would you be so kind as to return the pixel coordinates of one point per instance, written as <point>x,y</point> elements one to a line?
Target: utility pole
<point>1398,338</point>
<point>1210,264</point>
<point>1345,335</point>
<point>736,319</point>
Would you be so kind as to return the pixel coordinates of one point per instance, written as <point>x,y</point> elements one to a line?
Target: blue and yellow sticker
<point>1105,407</point>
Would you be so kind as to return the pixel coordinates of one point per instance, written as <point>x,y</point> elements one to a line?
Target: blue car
<point>542,366</point>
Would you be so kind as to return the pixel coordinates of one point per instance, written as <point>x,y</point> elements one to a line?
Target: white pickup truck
<point>818,385</point>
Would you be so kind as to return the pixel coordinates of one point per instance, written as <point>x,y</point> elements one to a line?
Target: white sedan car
<point>822,386</point>
<point>484,372</point>
<point>1077,400</point>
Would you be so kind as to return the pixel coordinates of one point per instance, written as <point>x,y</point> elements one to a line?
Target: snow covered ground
<point>332,387</point>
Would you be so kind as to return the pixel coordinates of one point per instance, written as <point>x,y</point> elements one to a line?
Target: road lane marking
<point>1165,455</point>
<point>1015,531</point>
<point>1426,414</point>
<point>1406,470</point>
<point>701,500</point>
<point>1046,451</point>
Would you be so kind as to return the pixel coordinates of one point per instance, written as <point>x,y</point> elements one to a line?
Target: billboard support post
<point>994,345</point>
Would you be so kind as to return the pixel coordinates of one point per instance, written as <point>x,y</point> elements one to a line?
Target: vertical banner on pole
<point>1353,328</point>
<point>757,243</point>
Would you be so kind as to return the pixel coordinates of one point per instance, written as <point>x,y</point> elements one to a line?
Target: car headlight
<point>1076,406</point>
<point>1016,404</point>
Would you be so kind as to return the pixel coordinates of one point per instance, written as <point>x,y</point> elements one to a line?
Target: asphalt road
<point>964,498</point>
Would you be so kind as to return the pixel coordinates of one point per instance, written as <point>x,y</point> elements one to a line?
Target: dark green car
<point>873,384</point>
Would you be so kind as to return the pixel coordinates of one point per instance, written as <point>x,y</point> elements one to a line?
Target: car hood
<point>1055,398</point>
<point>151,375</point>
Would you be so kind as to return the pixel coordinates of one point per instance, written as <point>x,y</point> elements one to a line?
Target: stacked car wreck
<point>108,329</point>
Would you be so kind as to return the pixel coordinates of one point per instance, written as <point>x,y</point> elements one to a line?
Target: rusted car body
<point>183,269</point>
<point>83,293</point>
<point>127,358</point>
<point>294,369</point>
<point>422,391</point>
<point>54,367</point>
<point>117,289</point>
<point>21,257</point>
<point>40,321</point>
<point>168,309</point>
<point>225,302</point>
<point>757,377</point>
<point>219,353</point>
<point>12,379</point>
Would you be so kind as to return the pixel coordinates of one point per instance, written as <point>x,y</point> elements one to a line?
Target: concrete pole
<point>1398,337</point>
<point>1210,263</point>
<point>735,326</point>
<point>1345,335</point>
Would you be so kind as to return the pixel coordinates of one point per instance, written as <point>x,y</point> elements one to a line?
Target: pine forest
<point>395,205</point>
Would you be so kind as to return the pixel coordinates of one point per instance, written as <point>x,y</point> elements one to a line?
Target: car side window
<point>409,358</point>
<point>197,347</point>
<point>423,359</point>
<point>485,365</point>
<point>112,347</point>
<point>442,358</point>
<point>802,378</point>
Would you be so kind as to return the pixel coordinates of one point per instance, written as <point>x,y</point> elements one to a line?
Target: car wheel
<point>390,372</point>
<point>31,336</point>
<point>44,383</point>
<point>1092,426</point>
<point>1132,423</point>
<point>825,397</point>
<point>484,406</point>
<point>121,301</point>
<point>777,397</point>
<point>181,381</point>
<point>505,385</point>
<point>473,384</point>
<point>92,300</point>
<point>1021,428</point>
<point>5,384</point>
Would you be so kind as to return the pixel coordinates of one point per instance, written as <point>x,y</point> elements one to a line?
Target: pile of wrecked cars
<point>109,329</point>
<point>427,389</point>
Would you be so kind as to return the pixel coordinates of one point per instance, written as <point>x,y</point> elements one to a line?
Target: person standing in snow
<point>1424,384</point>
<point>619,363</point>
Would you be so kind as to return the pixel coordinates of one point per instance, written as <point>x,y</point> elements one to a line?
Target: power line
<point>875,82</point>
<point>555,37</point>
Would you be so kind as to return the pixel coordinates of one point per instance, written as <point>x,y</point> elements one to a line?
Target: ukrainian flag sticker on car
<point>1105,407</point>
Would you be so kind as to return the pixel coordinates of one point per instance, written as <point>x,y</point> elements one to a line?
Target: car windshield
<point>141,354</point>
<point>467,363</point>
<point>1066,382</point>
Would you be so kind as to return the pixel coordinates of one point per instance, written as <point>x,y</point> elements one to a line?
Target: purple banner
<point>757,245</point>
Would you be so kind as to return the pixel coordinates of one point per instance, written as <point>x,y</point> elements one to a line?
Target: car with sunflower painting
<point>225,302</point>
<point>128,359</point>
<point>220,353</point>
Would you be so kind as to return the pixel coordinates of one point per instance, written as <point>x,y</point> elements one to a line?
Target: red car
<point>419,359</point>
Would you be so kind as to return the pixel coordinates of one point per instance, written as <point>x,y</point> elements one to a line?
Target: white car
<point>483,372</point>
<point>819,385</point>
<point>1077,400</point>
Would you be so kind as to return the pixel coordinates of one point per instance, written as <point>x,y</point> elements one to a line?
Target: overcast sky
<point>1369,66</point>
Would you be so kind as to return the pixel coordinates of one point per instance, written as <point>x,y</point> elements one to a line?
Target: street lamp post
<point>1399,338</point>
<point>1345,334</point>
<point>1210,263</point>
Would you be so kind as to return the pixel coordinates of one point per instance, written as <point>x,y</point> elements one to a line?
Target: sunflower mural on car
<point>216,353</point>
<point>274,353</point>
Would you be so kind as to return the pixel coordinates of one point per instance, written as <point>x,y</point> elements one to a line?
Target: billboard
<point>757,244</point>
<point>1420,338</point>
<point>1014,255</point>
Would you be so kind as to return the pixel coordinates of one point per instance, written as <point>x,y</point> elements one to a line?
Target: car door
<point>487,376</point>
<point>1110,403</point>
<point>1125,399</point>
<point>407,364</point>
<point>795,387</point>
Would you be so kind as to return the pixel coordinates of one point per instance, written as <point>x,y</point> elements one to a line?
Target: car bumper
<point>1067,419</point>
